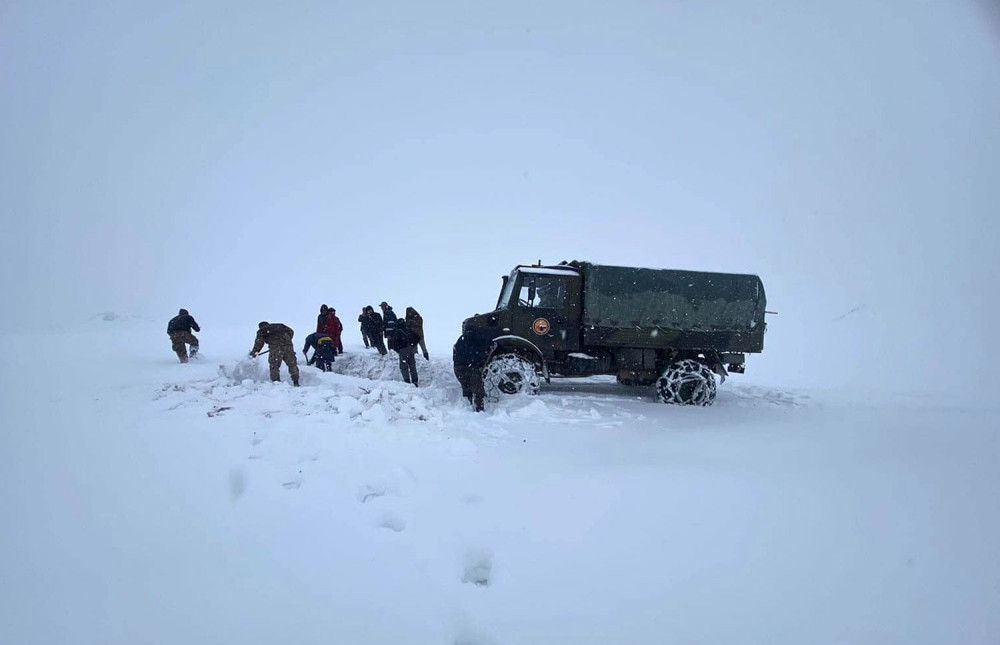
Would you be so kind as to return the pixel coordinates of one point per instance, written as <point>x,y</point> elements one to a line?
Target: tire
<point>508,375</point>
<point>687,382</point>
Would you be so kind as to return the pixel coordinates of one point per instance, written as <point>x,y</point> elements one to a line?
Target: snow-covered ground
<point>145,501</point>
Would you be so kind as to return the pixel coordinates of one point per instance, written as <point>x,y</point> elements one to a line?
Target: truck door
<point>548,310</point>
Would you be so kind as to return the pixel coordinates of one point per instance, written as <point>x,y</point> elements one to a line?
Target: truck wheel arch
<point>522,346</point>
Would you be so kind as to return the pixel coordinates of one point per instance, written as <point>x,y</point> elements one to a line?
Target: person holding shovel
<point>278,338</point>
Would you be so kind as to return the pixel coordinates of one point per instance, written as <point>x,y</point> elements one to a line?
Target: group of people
<point>402,335</point>
<point>383,332</point>
<point>326,341</point>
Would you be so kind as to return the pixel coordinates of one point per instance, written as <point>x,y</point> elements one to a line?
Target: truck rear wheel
<point>687,382</point>
<point>509,374</point>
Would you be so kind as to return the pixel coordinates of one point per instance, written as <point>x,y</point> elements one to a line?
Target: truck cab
<point>542,305</point>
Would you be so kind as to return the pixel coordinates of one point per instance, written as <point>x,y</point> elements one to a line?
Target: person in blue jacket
<point>324,351</point>
<point>389,319</point>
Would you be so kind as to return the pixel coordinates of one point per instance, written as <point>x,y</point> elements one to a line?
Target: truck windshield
<point>508,289</point>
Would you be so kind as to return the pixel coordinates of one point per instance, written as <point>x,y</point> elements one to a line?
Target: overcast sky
<point>252,160</point>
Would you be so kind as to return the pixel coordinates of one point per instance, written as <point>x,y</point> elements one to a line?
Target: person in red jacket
<point>322,320</point>
<point>335,329</point>
<point>327,323</point>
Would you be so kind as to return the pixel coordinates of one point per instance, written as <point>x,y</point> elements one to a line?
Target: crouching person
<point>179,329</point>
<point>405,343</point>
<point>324,351</point>
<point>278,338</point>
<point>469,356</point>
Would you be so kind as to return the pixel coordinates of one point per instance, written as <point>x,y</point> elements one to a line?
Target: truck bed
<point>666,308</point>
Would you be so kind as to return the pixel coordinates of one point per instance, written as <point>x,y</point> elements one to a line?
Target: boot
<point>295,381</point>
<point>194,351</point>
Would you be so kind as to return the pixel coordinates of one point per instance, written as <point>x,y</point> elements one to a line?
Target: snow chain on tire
<point>687,382</point>
<point>509,374</point>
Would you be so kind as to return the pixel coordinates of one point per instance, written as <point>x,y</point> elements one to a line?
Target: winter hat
<point>182,312</point>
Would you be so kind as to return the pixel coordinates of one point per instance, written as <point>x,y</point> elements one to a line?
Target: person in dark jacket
<point>279,343</point>
<point>374,327</point>
<point>389,318</point>
<point>335,329</point>
<point>405,343</point>
<point>469,357</point>
<point>416,324</point>
<point>179,329</point>
<point>324,352</point>
<point>361,323</point>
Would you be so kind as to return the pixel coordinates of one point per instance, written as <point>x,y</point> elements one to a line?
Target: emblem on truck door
<point>540,326</point>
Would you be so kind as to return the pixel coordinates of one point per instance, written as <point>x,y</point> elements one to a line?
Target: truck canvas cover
<point>624,306</point>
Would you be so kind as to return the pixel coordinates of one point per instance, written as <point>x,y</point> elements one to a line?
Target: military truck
<point>676,330</point>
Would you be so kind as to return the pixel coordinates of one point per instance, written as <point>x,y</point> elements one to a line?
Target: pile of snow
<point>367,387</point>
<point>370,365</point>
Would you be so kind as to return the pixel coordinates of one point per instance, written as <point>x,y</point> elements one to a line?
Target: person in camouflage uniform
<point>279,344</point>
<point>179,329</point>
<point>416,324</point>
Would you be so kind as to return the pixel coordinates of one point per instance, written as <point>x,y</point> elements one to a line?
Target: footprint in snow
<point>477,568</point>
<point>255,440</point>
<point>294,482</point>
<point>396,483</point>
<point>368,492</point>
<point>392,522</point>
<point>237,484</point>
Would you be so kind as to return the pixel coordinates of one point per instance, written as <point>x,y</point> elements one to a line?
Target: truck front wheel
<point>508,374</point>
<point>687,382</point>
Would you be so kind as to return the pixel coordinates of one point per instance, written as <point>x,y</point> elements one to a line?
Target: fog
<point>251,161</point>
